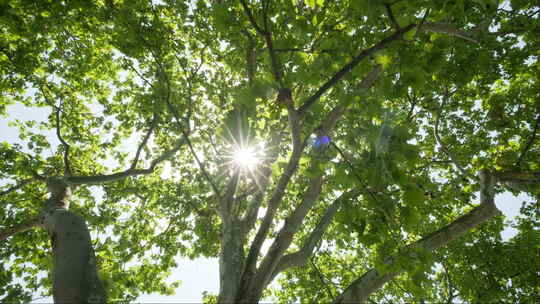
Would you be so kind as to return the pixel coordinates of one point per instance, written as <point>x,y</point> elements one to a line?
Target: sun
<point>246,157</point>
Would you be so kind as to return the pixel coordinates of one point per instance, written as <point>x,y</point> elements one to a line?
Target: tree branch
<point>449,29</point>
<point>153,125</point>
<point>530,142</point>
<point>162,73</point>
<point>349,66</point>
<point>322,279</point>
<point>439,141</point>
<point>518,176</point>
<point>301,256</point>
<point>26,225</point>
<point>251,18</point>
<point>173,111</point>
<point>17,186</point>
<point>284,238</point>
<point>67,166</point>
<point>130,64</point>
<point>390,14</point>
<point>449,285</point>
<point>98,179</point>
<point>359,290</point>
<point>335,114</point>
<point>267,35</point>
<point>273,205</point>
<point>285,178</point>
<point>518,180</point>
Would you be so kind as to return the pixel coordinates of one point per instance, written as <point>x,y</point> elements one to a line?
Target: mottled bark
<point>231,263</point>
<point>231,259</point>
<point>75,278</point>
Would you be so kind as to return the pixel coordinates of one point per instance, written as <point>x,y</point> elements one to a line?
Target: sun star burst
<point>246,157</point>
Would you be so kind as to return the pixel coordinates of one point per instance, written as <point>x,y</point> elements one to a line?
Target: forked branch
<point>291,226</point>
<point>67,164</point>
<point>273,205</point>
<point>301,256</point>
<point>267,36</point>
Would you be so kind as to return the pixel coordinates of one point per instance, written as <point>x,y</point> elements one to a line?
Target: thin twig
<point>391,17</point>
<point>17,186</point>
<point>67,165</point>
<point>355,172</point>
<point>530,142</point>
<point>138,73</point>
<point>153,125</point>
<point>267,35</point>
<point>449,284</point>
<point>98,179</point>
<point>321,278</point>
<point>173,111</point>
<point>439,141</point>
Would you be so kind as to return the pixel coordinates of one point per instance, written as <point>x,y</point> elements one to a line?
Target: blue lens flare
<point>321,141</point>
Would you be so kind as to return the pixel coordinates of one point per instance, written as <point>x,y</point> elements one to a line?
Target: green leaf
<point>413,195</point>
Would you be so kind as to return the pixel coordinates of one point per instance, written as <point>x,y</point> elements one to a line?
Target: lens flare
<point>246,158</point>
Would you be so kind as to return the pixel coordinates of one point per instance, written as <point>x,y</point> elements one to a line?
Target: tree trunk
<point>74,274</point>
<point>231,264</point>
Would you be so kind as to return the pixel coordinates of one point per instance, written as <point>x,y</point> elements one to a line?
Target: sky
<point>200,274</point>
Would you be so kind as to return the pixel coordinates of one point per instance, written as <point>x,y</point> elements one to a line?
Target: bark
<point>301,256</point>
<point>75,278</point>
<point>448,29</point>
<point>273,205</point>
<point>281,243</point>
<point>231,263</point>
<point>231,259</point>
<point>364,286</point>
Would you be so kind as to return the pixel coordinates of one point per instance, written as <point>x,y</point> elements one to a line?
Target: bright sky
<point>201,274</point>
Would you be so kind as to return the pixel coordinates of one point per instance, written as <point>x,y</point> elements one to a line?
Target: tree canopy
<point>377,135</point>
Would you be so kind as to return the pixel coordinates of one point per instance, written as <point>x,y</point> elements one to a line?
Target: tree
<point>377,125</point>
